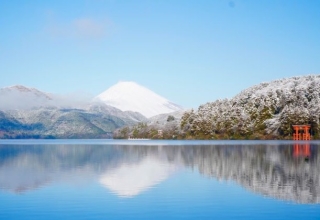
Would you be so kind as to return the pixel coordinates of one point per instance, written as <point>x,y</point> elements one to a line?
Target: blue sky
<point>190,52</point>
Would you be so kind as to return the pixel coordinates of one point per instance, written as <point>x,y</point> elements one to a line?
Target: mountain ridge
<point>263,111</point>
<point>30,113</point>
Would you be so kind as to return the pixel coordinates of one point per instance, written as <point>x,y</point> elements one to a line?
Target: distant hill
<point>264,111</point>
<point>30,113</point>
<point>22,97</point>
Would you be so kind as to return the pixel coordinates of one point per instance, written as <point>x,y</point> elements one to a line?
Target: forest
<point>264,111</point>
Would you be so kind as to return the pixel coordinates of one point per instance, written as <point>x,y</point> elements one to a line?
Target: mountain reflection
<point>286,172</point>
<point>129,180</point>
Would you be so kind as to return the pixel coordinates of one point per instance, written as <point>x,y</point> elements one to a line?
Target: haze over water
<point>108,179</point>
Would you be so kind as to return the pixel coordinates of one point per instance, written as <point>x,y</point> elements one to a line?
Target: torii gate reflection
<point>302,150</point>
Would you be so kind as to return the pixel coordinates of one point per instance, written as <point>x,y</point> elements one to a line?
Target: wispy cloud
<point>87,27</point>
<point>23,98</point>
<point>78,28</point>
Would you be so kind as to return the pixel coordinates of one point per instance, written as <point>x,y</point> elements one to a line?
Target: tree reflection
<point>286,172</point>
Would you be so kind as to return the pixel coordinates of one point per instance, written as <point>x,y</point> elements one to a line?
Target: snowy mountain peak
<point>130,96</point>
<point>23,91</point>
<point>22,97</point>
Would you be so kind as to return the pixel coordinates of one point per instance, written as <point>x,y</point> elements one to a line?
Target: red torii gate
<point>301,132</point>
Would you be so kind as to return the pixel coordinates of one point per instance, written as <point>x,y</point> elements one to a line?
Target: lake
<point>141,179</point>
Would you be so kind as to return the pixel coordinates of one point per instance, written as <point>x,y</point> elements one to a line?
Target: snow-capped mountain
<point>129,96</point>
<point>30,113</point>
<point>21,97</point>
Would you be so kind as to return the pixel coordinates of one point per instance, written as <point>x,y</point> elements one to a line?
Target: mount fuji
<point>130,96</point>
<point>31,113</point>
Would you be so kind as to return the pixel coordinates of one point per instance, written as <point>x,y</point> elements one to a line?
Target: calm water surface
<point>108,179</point>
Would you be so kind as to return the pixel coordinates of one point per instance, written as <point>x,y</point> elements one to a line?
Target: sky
<point>190,52</point>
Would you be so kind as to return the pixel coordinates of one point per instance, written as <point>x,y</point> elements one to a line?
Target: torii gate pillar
<point>301,132</point>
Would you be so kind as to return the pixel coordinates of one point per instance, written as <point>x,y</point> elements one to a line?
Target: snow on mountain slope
<point>267,110</point>
<point>21,97</point>
<point>129,96</point>
<point>284,86</point>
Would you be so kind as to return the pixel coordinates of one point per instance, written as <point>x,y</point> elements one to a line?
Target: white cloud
<point>79,28</point>
<point>24,98</point>
<point>87,27</point>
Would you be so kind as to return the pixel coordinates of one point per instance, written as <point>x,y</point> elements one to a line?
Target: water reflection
<point>129,180</point>
<point>302,150</point>
<point>286,172</point>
